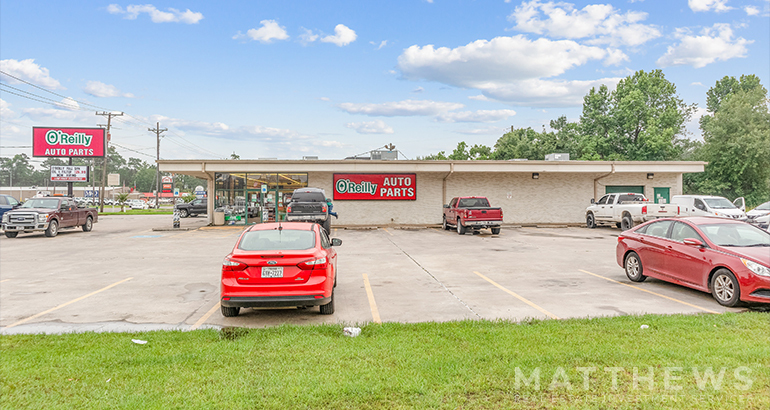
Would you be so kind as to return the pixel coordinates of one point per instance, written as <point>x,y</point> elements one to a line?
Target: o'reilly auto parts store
<point>404,192</point>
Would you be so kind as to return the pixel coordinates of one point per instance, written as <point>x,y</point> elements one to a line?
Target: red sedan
<point>280,264</point>
<point>728,258</point>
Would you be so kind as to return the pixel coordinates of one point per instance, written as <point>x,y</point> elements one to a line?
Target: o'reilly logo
<point>57,137</point>
<point>346,186</point>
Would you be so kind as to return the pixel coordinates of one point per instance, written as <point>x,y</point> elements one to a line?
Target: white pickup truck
<point>626,210</point>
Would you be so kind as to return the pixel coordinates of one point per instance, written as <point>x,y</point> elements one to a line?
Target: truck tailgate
<point>484,214</point>
<point>662,210</point>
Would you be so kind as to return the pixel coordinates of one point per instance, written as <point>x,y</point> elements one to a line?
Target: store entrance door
<point>253,206</point>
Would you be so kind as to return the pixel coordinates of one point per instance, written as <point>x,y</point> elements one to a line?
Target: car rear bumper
<point>306,218</point>
<point>483,224</point>
<point>275,301</point>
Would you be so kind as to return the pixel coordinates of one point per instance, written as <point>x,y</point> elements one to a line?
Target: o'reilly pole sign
<point>67,142</point>
<point>400,187</point>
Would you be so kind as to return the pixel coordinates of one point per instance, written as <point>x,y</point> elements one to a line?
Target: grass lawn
<point>116,211</point>
<point>694,361</point>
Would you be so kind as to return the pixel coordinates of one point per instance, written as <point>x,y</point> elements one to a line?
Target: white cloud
<point>418,90</point>
<point>509,68</point>
<point>693,126</point>
<point>171,16</point>
<point>100,89</point>
<point>27,70</point>
<point>401,108</point>
<point>342,36</point>
<point>751,10</point>
<point>269,31</point>
<point>480,97</point>
<point>715,44</point>
<point>598,23</point>
<point>476,116</point>
<point>307,36</point>
<point>719,6</point>
<point>370,127</point>
<point>325,99</point>
<point>382,44</point>
<point>5,110</point>
<point>698,83</point>
<point>615,57</point>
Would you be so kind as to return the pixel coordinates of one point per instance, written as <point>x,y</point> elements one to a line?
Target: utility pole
<point>157,130</point>
<point>109,116</point>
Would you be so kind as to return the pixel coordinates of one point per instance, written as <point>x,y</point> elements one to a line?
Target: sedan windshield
<point>275,240</point>
<point>736,235</point>
<point>719,203</point>
<point>764,207</point>
<point>41,203</point>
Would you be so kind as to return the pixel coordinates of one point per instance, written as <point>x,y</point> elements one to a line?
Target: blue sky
<point>287,79</point>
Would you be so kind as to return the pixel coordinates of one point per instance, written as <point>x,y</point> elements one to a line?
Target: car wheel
<point>184,213</point>
<point>590,221</point>
<point>228,311</point>
<point>88,225</point>
<point>634,268</point>
<point>328,308</point>
<point>444,224</point>
<point>725,288</point>
<point>11,234</point>
<point>495,231</point>
<point>53,229</point>
<point>626,223</point>
<point>460,227</point>
<point>328,226</point>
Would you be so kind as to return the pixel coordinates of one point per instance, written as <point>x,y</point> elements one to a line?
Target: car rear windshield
<point>736,235</point>
<point>630,198</point>
<point>41,203</point>
<point>473,203</point>
<point>308,197</point>
<point>275,240</point>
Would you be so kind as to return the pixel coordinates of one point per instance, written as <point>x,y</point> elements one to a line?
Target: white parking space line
<point>205,317</point>
<point>66,304</point>
<point>651,292</point>
<point>545,312</point>
<point>372,303</point>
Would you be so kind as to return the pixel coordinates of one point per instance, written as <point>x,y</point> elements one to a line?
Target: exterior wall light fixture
<point>650,175</point>
<point>535,175</point>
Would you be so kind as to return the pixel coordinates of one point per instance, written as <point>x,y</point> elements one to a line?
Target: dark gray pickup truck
<point>309,205</point>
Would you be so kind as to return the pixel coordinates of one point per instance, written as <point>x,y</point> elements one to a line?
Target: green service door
<point>662,195</point>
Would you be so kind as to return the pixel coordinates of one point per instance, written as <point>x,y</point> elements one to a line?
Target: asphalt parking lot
<point>125,276</point>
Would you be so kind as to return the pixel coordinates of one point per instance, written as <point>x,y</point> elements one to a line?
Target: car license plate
<point>272,271</point>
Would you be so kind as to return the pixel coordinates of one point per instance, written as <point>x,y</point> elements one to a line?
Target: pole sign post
<point>67,142</point>
<point>69,173</point>
<point>400,187</point>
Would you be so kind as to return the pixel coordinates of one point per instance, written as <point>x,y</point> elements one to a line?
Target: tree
<point>726,86</point>
<point>122,198</point>
<point>519,143</point>
<point>737,147</point>
<point>17,170</point>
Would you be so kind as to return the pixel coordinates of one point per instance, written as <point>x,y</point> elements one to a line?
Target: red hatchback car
<point>280,264</point>
<point>728,258</point>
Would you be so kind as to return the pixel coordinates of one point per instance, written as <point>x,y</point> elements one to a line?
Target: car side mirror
<point>336,242</point>
<point>593,201</point>
<point>446,205</point>
<point>693,242</point>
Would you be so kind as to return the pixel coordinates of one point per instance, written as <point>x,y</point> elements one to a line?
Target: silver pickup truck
<point>625,210</point>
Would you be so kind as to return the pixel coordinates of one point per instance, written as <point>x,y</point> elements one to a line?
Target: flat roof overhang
<point>206,169</point>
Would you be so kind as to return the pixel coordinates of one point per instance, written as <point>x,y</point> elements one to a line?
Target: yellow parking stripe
<point>205,317</point>
<point>66,304</point>
<point>387,231</point>
<point>545,312</point>
<point>4,280</point>
<point>372,304</point>
<point>651,292</point>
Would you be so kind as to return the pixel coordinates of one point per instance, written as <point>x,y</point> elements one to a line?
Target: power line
<point>49,91</point>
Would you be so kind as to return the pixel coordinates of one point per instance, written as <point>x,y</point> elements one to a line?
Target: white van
<point>706,205</point>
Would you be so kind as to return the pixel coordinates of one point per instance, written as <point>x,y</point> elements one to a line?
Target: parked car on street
<point>280,264</point>
<point>728,258</point>
<point>708,205</point>
<point>624,210</point>
<point>7,203</point>
<point>309,205</point>
<point>137,204</point>
<point>760,215</point>
<point>48,215</point>
<point>472,213</point>
<point>193,208</point>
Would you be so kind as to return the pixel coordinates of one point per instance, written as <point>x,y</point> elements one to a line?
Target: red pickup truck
<point>472,212</point>
<point>48,215</point>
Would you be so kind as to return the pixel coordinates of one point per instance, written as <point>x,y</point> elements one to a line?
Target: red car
<point>728,258</point>
<point>280,264</point>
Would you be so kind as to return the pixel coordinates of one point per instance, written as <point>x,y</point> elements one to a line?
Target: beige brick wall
<point>555,198</point>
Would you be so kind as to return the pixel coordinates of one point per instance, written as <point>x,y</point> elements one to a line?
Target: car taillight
<point>677,210</point>
<point>288,209</point>
<point>319,263</point>
<point>229,264</point>
<point>644,209</point>
<point>620,238</point>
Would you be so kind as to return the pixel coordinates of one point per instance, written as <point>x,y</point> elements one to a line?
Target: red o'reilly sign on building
<point>67,142</point>
<point>375,187</point>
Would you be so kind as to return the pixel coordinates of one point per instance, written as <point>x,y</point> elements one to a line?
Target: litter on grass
<point>139,342</point>
<point>644,327</point>
<point>351,331</point>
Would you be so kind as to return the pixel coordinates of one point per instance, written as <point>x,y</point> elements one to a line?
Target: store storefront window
<point>255,197</point>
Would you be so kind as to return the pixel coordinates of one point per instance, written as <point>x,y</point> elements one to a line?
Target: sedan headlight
<point>756,268</point>
<point>42,217</point>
